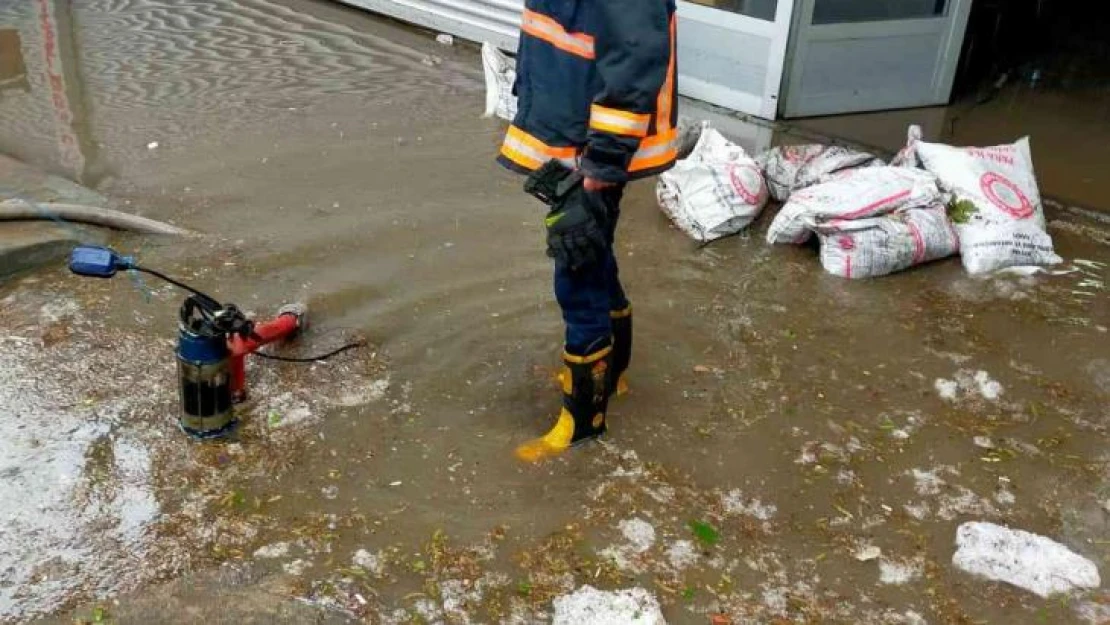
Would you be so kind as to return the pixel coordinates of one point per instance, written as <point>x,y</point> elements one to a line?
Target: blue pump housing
<point>201,350</point>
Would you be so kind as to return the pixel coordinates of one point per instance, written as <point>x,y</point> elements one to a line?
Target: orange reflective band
<point>523,159</point>
<point>665,105</point>
<point>589,359</point>
<point>530,153</point>
<point>619,122</point>
<point>543,27</point>
<point>656,151</point>
<point>621,314</point>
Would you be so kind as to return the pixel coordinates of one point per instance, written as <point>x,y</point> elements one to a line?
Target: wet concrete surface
<point>337,159</point>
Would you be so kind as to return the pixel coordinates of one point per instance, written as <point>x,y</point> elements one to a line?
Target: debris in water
<point>77,492</point>
<point>970,385</point>
<point>983,441</point>
<point>927,482</point>
<point>868,553</point>
<point>640,536</point>
<point>734,502</point>
<point>445,39</point>
<point>947,389</point>
<point>846,477</point>
<point>1034,563</point>
<point>682,554</point>
<point>988,388</point>
<point>296,567</point>
<point>370,562</point>
<point>153,145</point>
<point>372,391</point>
<point>895,572</point>
<point>1022,270</point>
<point>1005,497</point>
<point>1093,613</point>
<point>705,533</point>
<point>590,606</point>
<point>275,550</point>
<point>639,533</point>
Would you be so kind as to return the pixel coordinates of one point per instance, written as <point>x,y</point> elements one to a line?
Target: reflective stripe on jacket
<point>596,88</point>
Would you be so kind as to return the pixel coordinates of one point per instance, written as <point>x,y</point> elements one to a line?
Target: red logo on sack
<point>736,175</point>
<point>793,154</point>
<point>1006,195</point>
<point>847,243</point>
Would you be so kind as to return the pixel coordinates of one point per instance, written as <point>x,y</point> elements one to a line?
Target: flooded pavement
<point>796,448</point>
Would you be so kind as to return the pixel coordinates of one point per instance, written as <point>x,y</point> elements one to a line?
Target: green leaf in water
<point>688,593</point>
<point>524,589</point>
<point>274,418</point>
<point>99,615</point>
<point>705,532</point>
<point>960,211</point>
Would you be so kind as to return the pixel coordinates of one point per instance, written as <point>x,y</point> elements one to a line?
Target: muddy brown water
<point>335,158</point>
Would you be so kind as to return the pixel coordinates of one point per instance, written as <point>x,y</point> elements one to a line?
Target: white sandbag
<point>995,204</point>
<point>907,156</point>
<point>877,246</point>
<point>991,247</point>
<point>689,131</point>
<point>789,168</point>
<point>717,191</point>
<point>500,71</point>
<point>852,194</point>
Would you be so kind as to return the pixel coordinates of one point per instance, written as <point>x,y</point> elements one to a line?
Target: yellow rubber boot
<point>585,399</point>
<point>622,355</point>
<point>622,349</point>
<point>551,444</point>
<point>619,390</point>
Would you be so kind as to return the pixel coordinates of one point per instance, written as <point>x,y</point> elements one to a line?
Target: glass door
<point>731,52</point>
<point>851,56</point>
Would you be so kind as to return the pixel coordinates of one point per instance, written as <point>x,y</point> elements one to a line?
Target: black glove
<point>577,223</point>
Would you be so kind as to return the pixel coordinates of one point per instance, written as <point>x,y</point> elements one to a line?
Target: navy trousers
<point>588,295</point>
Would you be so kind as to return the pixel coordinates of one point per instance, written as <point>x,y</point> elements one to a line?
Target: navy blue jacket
<point>596,88</point>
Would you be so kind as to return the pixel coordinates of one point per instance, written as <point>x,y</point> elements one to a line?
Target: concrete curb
<point>27,245</point>
<point>30,244</point>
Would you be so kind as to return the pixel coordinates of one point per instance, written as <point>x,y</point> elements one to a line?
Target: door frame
<point>778,31</point>
<point>803,31</point>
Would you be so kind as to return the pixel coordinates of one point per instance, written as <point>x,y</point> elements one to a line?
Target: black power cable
<point>216,305</point>
<point>180,285</point>
<point>334,352</point>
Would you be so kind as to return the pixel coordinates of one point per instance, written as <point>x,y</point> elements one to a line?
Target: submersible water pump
<point>213,342</point>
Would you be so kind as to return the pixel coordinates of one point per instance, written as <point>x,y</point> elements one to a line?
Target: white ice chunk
<point>1034,563</point>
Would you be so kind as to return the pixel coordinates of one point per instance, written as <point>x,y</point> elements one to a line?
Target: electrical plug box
<point>96,262</point>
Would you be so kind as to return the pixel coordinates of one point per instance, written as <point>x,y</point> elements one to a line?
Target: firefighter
<point>597,108</point>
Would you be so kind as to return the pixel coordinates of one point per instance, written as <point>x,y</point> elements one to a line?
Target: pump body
<point>204,373</point>
<point>213,341</point>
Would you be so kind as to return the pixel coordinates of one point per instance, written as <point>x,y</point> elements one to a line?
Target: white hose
<point>20,210</point>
